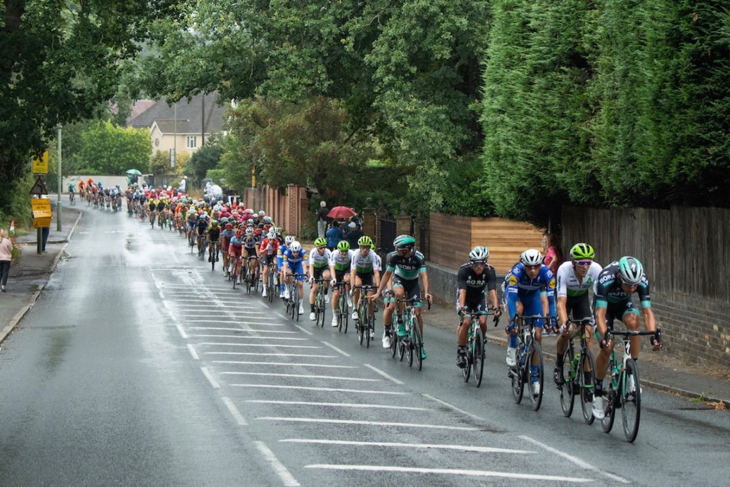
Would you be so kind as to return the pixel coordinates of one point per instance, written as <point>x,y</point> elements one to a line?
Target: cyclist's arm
<point>426,286</point>
<point>545,304</point>
<point>562,310</point>
<point>493,297</point>
<point>383,281</point>
<point>649,320</point>
<point>462,297</point>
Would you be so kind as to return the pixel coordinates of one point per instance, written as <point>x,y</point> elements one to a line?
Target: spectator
<point>553,255</point>
<point>183,185</point>
<point>334,235</point>
<point>322,220</point>
<point>353,235</point>
<point>6,254</point>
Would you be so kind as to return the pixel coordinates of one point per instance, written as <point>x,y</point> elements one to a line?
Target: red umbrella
<point>341,212</point>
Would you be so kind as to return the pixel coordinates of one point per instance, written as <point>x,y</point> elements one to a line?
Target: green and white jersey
<point>341,263</point>
<point>568,284</point>
<point>365,265</point>
<point>317,260</point>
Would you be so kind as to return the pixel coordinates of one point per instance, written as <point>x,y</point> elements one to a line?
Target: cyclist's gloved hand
<point>604,341</point>
<point>333,281</point>
<point>656,341</point>
<point>462,311</point>
<point>311,279</point>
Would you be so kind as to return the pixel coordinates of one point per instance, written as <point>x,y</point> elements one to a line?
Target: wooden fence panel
<point>449,239</point>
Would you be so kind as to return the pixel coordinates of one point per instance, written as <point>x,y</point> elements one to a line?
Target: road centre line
<point>234,412</point>
<point>182,332</point>
<point>272,354</point>
<point>217,344</point>
<point>575,460</point>
<point>283,364</point>
<point>238,329</point>
<point>447,471</point>
<point>210,378</point>
<point>282,316</point>
<point>304,330</point>
<point>367,423</point>
<point>383,374</point>
<point>453,407</point>
<point>336,349</point>
<point>193,352</point>
<point>337,405</point>
<point>478,449</point>
<point>301,376</point>
<point>281,471</point>
<point>251,337</point>
<point>324,389</point>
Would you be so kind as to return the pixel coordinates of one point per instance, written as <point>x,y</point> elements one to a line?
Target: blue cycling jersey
<point>521,288</point>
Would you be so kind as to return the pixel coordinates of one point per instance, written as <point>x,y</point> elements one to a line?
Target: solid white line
<point>284,364</point>
<point>301,376</point>
<point>367,423</point>
<point>327,389</point>
<point>280,469</point>
<point>182,332</point>
<point>446,471</point>
<point>479,449</point>
<point>214,306</point>
<point>258,323</point>
<point>228,313</point>
<point>380,372</point>
<point>337,405</point>
<point>272,354</point>
<point>193,352</point>
<point>251,337</point>
<point>210,378</point>
<point>336,349</point>
<point>256,345</point>
<point>234,412</point>
<point>304,330</point>
<point>577,461</point>
<point>453,407</point>
<point>239,329</point>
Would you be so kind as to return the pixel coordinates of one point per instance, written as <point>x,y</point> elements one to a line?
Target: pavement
<point>706,384</point>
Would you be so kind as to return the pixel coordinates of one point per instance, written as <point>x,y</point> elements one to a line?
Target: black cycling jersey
<point>474,283</point>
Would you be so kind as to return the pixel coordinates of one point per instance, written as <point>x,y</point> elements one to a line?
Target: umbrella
<point>341,212</point>
<point>134,172</point>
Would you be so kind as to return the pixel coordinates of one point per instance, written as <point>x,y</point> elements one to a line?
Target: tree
<point>108,149</point>
<point>204,159</point>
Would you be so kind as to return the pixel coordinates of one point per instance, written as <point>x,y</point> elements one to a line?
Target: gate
<point>387,235</point>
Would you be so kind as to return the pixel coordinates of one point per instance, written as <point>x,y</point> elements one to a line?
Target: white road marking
<point>304,330</point>
<point>257,323</point>
<point>251,337</point>
<point>238,329</point>
<point>324,389</point>
<point>337,405</point>
<point>380,372</point>
<point>213,306</point>
<point>577,461</point>
<point>272,354</point>
<point>282,316</point>
<point>229,312</point>
<point>284,364</point>
<point>210,378</point>
<point>453,407</point>
<point>479,449</point>
<point>336,349</point>
<point>280,469</point>
<point>193,352</point>
<point>447,471</point>
<point>262,345</point>
<point>302,376</point>
<point>182,332</point>
<point>368,423</point>
<point>235,412</point>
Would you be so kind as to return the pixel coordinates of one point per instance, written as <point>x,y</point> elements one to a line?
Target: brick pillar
<point>403,224</point>
<point>369,223</point>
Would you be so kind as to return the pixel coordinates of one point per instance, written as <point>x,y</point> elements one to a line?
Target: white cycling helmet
<point>272,234</point>
<point>249,231</point>
<point>531,257</point>
<point>289,239</point>
<point>479,253</point>
<point>296,247</point>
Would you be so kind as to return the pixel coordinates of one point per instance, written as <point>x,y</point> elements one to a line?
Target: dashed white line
<point>251,337</point>
<point>280,469</point>
<point>284,364</point>
<point>367,423</point>
<point>214,328</point>
<point>446,471</point>
<point>210,378</point>
<point>257,354</point>
<point>478,449</point>
<point>235,412</point>
<point>259,345</point>
<point>337,405</point>
<point>301,376</point>
<point>323,389</point>
<point>193,352</point>
<point>380,372</point>
<point>304,330</point>
<point>182,332</point>
<point>453,407</point>
<point>336,349</point>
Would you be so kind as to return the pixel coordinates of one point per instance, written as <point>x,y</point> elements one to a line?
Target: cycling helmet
<point>258,232</point>
<point>320,242</point>
<point>224,220</point>
<point>201,213</point>
<point>214,223</point>
<point>229,226</point>
<point>630,270</point>
<point>365,241</point>
<point>239,233</point>
<point>296,247</point>
<point>289,239</point>
<point>479,253</point>
<point>581,251</point>
<point>404,242</point>
<point>249,231</point>
<point>343,246</point>
<point>250,221</point>
<point>271,235</point>
<point>262,213</point>
<point>531,257</point>
<point>267,219</point>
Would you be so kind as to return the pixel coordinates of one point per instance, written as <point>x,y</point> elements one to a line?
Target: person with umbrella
<point>322,219</point>
<point>334,235</point>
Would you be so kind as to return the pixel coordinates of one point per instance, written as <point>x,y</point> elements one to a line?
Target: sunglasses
<point>478,262</point>
<point>532,266</point>
<point>584,263</point>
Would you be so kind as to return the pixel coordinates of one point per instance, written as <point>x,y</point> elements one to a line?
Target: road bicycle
<point>214,248</point>
<point>153,214</point>
<point>624,387</point>
<point>319,303</point>
<point>476,346</point>
<point>410,344</point>
<point>235,271</point>
<point>365,322</point>
<point>72,198</point>
<point>272,282</point>
<point>293,302</point>
<point>341,308</point>
<point>578,373</point>
<point>251,277</point>
<point>529,354</point>
<point>201,246</point>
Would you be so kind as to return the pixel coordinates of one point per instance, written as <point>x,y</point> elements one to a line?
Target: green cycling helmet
<point>320,242</point>
<point>365,241</point>
<point>630,270</point>
<point>404,241</point>
<point>343,246</point>
<point>582,251</point>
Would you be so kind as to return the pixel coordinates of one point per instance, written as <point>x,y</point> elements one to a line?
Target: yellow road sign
<point>42,222</point>
<point>42,204</point>
<point>40,166</point>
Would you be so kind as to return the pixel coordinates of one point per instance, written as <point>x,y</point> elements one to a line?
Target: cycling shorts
<point>619,310</point>
<point>267,259</point>
<point>318,272</point>
<point>579,307</point>
<point>340,275</point>
<point>235,250</point>
<point>474,306</point>
<point>365,279</point>
<point>531,306</point>
<point>411,288</point>
<point>296,269</point>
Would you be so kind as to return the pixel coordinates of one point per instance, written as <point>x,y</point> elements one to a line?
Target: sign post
<point>41,211</point>
<point>60,183</point>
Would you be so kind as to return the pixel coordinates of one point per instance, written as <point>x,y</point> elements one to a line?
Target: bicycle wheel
<point>607,421</point>
<point>368,320</point>
<point>517,373</point>
<point>479,356</point>
<point>567,398</point>
<point>410,343</point>
<point>359,323</point>
<point>393,342</point>
<point>585,384</point>
<point>418,345</point>
<point>536,399</point>
<point>631,400</point>
<point>296,302</point>
<point>466,371</point>
<point>322,309</point>
<point>212,261</point>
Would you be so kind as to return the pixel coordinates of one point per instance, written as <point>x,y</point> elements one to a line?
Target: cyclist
<point>319,259</point>
<point>283,247</point>
<point>235,250</point>
<point>293,258</point>
<point>529,283</point>
<point>250,251</point>
<point>364,271</point>
<point>405,264</point>
<point>71,191</point>
<point>574,279</point>
<point>202,226</point>
<point>213,235</point>
<point>268,250</point>
<point>226,236</point>
<point>340,262</point>
<point>473,278</point>
<point>616,284</point>
<point>152,207</point>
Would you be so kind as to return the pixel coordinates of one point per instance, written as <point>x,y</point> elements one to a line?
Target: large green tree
<point>108,149</point>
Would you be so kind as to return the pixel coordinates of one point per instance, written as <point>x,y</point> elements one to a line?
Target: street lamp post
<point>60,182</point>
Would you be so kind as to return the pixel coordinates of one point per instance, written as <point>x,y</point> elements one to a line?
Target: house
<point>183,125</point>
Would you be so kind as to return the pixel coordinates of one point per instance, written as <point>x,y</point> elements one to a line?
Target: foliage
<point>204,159</point>
<point>108,149</point>
<point>218,176</point>
<point>160,163</point>
<point>19,207</point>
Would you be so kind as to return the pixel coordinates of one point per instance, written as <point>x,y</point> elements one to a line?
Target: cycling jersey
<point>250,243</point>
<point>406,268</point>
<point>609,290</point>
<point>529,291</point>
<point>213,234</point>
<point>342,264</point>
<point>202,226</point>
<point>319,261</point>
<point>365,265</point>
<point>226,236</point>
<point>568,284</point>
<point>474,283</point>
<point>292,259</point>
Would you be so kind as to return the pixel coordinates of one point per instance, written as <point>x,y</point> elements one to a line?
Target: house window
<point>191,142</point>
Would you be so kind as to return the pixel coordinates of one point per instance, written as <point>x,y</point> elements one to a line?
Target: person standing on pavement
<point>353,235</point>
<point>322,221</point>
<point>334,235</point>
<point>6,254</point>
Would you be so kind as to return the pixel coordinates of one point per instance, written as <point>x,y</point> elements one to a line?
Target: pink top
<point>552,259</point>
<point>6,249</point>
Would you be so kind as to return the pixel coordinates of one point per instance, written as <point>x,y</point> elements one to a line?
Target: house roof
<point>181,127</point>
<point>187,113</point>
<point>138,107</point>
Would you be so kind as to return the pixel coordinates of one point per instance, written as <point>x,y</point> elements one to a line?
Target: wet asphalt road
<point>140,366</point>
